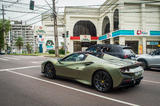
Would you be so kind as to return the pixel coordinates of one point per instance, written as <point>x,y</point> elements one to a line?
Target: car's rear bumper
<point>130,82</point>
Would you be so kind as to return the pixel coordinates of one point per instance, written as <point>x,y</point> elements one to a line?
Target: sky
<point>23,6</point>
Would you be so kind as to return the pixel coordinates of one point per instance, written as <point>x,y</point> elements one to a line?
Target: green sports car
<point>104,72</point>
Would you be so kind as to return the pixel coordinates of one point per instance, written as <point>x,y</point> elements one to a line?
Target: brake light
<point>125,56</point>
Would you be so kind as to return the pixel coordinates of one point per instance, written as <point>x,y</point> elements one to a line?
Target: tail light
<point>125,56</point>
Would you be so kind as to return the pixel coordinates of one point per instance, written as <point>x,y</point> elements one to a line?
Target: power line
<point>48,4</point>
<point>19,16</point>
<point>24,4</point>
<point>21,11</point>
<point>38,15</point>
<point>38,21</point>
<point>144,2</point>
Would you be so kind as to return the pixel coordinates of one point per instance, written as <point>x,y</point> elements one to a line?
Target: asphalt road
<point>22,84</point>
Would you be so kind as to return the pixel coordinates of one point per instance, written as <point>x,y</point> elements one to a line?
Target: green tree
<point>29,48</point>
<point>19,43</point>
<point>4,27</point>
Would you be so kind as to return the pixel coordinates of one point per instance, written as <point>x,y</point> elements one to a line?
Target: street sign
<point>85,38</point>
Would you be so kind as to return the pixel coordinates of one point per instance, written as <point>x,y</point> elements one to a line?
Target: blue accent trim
<point>154,33</point>
<point>40,36</point>
<point>103,37</point>
<point>154,43</point>
<point>122,32</point>
<point>40,48</point>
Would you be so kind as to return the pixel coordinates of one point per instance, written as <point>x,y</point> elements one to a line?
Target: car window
<point>128,51</point>
<point>157,52</point>
<point>74,57</point>
<point>92,49</point>
<point>106,49</point>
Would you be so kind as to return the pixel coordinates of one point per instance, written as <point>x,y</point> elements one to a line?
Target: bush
<point>61,51</point>
<point>51,51</point>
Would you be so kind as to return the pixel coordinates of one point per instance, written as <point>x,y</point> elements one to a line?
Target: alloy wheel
<point>49,70</point>
<point>102,81</point>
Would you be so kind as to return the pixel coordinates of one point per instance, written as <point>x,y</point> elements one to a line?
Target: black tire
<point>49,71</point>
<point>144,64</point>
<point>102,81</point>
<point>138,82</point>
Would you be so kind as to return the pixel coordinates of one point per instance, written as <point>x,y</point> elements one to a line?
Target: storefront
<point>140,41</point>
<point>83,42</point>
<point>40,35</point>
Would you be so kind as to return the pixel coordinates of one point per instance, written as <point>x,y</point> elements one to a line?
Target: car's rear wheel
<point>102,81</point>
<point>49,71</point>
<point>144,64</point>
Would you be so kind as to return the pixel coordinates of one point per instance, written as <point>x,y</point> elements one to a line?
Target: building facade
<point>24,31</point>
<point>134,23</point>
<point>48,28</point>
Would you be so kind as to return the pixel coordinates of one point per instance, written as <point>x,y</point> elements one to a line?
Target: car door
<point>70,66</point>
<point>155,59</point>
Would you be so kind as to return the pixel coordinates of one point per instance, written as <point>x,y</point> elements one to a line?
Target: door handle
<point>88,63</point>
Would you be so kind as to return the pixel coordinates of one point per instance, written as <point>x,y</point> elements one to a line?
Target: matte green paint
<point>78,71</point>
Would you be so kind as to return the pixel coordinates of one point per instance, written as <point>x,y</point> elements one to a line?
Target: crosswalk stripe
<point>11,58</point>
<point>3,59</point>
<point>37,61</point>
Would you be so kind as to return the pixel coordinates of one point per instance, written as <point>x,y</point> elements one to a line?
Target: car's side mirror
<point>59,60</point>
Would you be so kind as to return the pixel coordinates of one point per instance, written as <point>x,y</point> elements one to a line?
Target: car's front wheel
<point>144,64</point>
<point>102,81</point>
<point>49,71</point>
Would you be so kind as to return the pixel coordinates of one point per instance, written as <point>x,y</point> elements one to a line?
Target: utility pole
<point>4,29</point>
<point>55,30</point>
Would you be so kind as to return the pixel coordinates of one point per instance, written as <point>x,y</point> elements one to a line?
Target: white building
<point>135,23</point>
<point>24,31</point>
<point>48,27</point>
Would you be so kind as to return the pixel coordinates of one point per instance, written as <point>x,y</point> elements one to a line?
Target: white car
<point>151,60</point>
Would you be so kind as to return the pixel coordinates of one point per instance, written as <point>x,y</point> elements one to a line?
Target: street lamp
<point>35,44</point>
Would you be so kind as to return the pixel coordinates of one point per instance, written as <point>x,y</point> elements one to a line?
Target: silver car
<point>151,60</point>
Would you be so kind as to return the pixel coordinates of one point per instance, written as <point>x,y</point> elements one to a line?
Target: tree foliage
<point>29,48</point>
<point>19,42</point>
<point>4,26</point>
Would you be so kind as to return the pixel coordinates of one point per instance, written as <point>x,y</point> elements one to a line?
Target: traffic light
<point>67,34</point>
<point>63,35</point>
<point>31,7</point>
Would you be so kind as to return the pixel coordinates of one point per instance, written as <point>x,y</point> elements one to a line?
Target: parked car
<point>151,60</point>
<point>2,52</point>
<point>124,52</point>
<point>103,73</point>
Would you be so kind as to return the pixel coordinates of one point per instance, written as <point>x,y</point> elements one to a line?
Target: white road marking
<point>10,69</point>
<point>2,70</point>
<point>37,61</point>
<point>11,58</point>
<point>3,59</point>
<point>75,89</point>
<point>151,81</point>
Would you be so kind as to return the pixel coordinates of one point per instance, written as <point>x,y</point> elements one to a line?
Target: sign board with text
<point>85,38</point>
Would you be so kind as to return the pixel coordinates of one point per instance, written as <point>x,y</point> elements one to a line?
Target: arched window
<point>116,20</point>
<point>106,25</point>
<point>84,28</point>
